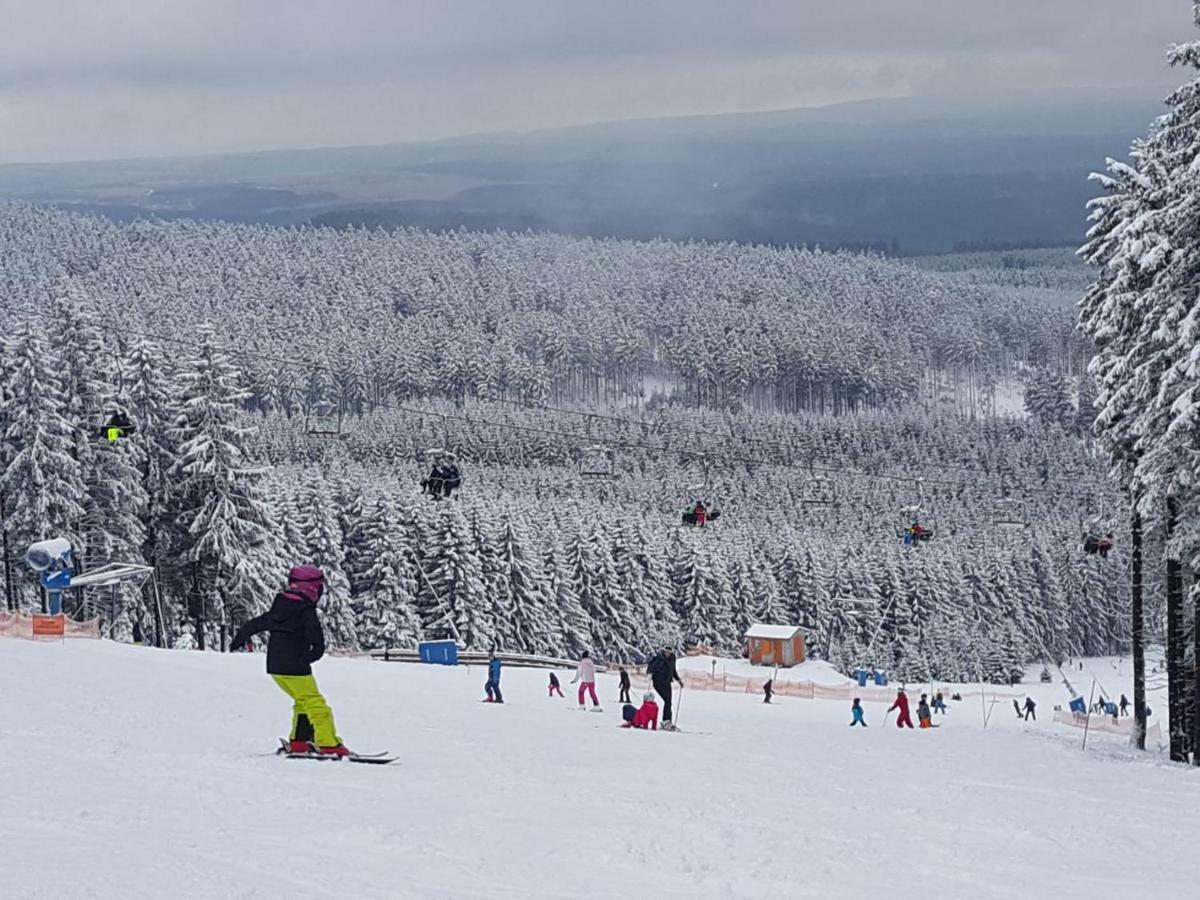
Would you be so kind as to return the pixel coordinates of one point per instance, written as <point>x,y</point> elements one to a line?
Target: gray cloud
<point>148,77</point>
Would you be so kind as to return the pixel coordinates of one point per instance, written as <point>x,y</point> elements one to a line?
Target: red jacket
<point>647,716</point>
<point>901,704</point>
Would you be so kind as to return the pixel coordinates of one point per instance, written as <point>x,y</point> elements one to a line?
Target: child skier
<point>296,642</point>
<point>903,719</point>
<point>645,717</point>
<point>856,711</point>
<point>492,685</point>
<point>768,690</point>
<point>624,698</point>
<point>924,716</point>
<point>1030,706</point>
<point>939,703</point>
<point>585,674</point>
<point>554,686</point>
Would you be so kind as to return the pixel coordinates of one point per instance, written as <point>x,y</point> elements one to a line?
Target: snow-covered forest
<point>798,391</point>
<point>1143,312</point>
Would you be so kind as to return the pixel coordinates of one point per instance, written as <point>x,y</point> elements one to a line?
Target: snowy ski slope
<point>137,773</point>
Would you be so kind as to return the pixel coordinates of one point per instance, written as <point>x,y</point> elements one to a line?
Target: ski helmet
<point>647,697</point>
<point>307,580</point>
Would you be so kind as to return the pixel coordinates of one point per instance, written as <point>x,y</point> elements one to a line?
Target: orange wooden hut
<point>775,645</point>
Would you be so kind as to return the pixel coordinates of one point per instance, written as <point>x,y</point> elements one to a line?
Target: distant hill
<point>912,176</point>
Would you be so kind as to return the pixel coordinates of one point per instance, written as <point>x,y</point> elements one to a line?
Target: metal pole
<point>162,625</point>
<point>1087,722</point>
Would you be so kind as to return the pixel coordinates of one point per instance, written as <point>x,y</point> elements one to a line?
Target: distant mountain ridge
<point>911,175</point>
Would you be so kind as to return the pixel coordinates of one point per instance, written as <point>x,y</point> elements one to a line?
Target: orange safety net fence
<point>20,625</point>
<point>806,690</point>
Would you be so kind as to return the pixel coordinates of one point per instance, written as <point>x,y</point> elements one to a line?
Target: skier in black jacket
<point>296,643</point>
<point>662,672</point>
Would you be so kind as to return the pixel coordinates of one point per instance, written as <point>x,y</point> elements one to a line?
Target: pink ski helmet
<point>309,581</point>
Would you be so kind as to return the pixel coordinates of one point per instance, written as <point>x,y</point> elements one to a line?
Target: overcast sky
<point>114,78</point>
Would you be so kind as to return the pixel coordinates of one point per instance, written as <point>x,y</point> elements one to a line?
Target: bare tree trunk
<point>1195,674</point>
<point>1139,649</point>
<point>1175,681</point>
<point>10,594</point>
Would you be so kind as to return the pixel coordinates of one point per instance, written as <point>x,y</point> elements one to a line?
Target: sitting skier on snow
<point>644,717</point>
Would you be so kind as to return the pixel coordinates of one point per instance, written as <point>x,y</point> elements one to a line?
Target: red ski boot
<point>339,750</point>
<point>300,747</point>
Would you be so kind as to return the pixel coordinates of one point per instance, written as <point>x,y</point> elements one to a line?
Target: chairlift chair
<point>1009,513</point>
<point>597,462</point>
<point>444,476</point>
<point>323,419</point>
<point>117,425</point>
<point>689,518</point>
<point>914,529</point>
<point>817,491</point>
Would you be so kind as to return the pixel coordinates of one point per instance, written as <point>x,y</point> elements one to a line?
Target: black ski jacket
<point>662,670</point>
<point>296,640</point>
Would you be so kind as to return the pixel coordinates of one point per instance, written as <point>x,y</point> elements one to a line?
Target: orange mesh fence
<point>805,690</point>
<point>1106,725</point>
<point>20,625</point>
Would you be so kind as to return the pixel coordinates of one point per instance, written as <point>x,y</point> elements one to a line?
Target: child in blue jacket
<point>492,686</point>
<point>856,710</point>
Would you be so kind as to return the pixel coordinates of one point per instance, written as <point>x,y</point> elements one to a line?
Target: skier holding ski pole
<point>662,672</point>
<point>296,642</point>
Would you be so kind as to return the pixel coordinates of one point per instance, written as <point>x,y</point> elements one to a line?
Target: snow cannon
<point>45,554</point>
<point>52,558</point>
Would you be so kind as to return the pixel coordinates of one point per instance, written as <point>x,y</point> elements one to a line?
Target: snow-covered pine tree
<point>43,480</point>
<point>456,603</point>
<point>148,384</point>
<point>571,633</point>
<point>222,519</point>
<point>1048,397</point>
<point>522,585</point>
<point>319,523</point>
<point>386,601</point>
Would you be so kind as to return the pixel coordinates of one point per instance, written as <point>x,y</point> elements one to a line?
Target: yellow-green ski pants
<point>307,703</point>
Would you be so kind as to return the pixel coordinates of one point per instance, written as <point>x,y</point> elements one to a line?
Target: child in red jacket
<point>645,717</point>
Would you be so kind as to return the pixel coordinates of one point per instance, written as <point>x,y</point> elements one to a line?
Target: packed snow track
<point>138,773</point>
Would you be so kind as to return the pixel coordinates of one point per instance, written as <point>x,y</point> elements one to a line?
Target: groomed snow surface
<point>131,772</point>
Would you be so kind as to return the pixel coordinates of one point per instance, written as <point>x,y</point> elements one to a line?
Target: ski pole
<point>679,704</point>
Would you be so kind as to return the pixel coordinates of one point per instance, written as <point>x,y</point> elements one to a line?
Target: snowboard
<point>377,759</point>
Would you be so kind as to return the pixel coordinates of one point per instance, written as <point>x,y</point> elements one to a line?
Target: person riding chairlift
<point>117,427</point>
<point>915,533</point>
<point>434,483</point>
<point>1093,545</point>
<point>451,478</point>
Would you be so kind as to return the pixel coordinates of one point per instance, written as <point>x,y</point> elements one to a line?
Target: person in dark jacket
<point>624,698</point>
<point>492,685</point>
<point>555,687</point>
<point>1124,705</point>
<point>662,672</point>
<point>768,689</point>
<point>1030,706</point>
<point>296,642</point>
